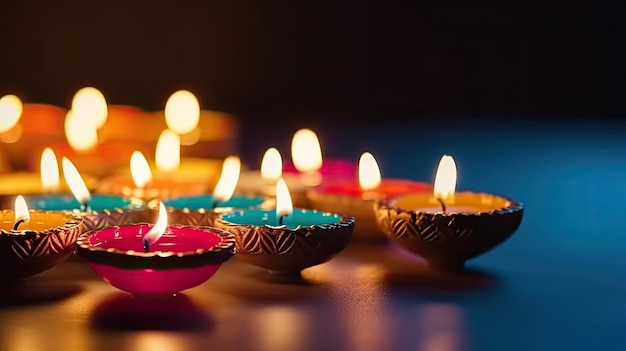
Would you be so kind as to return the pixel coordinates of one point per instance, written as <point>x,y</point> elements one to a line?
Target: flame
<point>75,181</point>
<point>369,173</point>
<point>140,169</point>
<point>445,179</point>
<point>182,112</point>
<point>155,233</point>
<point>10,112</point>
<point>49,171</point>
<point>306,152</point>
<point>21,210</point>
<point>167,154</point>
<point>284,206</point>
<point>228,179</point>
<point>81,133</point>
<point>90,103</point>
<point>272,165</point>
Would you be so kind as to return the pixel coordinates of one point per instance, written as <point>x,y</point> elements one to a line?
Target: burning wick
<point>280,219</point>
<point>85,207</point>
<point>215,203</point>
<point>17,224</point>
<point>443,205</point>
<point>146,245</point>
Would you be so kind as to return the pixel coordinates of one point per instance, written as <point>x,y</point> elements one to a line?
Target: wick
<point>85,207</point>
<point>215,203</point>
<point>280,219</point>
<point>443,205</point>
<point>17,224</point>
<point>146,245</point>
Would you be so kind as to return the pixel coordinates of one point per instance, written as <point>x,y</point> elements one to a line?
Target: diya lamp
<point>356,198</point>
<point>10,113</point>
<point>97,210</point>
<point>286,240</point>
<point>156,260</point>
<point>203,209</point>
<point>307,163</point>
<point>445,227</point>
<point>25,129</point>
<point>88,114</point>
<point>33,241</point>
<point>44,182</point>
<point>203,133</point>
<point>182,116</point>
<point>263,182</point>
<point>173,177</point>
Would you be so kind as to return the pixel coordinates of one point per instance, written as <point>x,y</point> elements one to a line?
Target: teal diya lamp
<point>204,209</point>
<point>285,240</point>
<point>97,210</point>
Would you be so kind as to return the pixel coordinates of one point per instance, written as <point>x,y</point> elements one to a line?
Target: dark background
<point>280,65</point>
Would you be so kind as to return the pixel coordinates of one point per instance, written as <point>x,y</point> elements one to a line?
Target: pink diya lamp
<point>307,163</point>
<point>32,241</point>
<point>263,181</point>
<point>356,198</point>
<point>156,260</point>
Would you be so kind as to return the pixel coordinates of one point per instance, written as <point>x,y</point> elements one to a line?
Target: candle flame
<point>140,169</point>
<point>272,165</point>
<point>90,103</point>
<point>49,171</point>
<point>21,210</point>
<point>167,154</point>
<point>445,179</point>
<point>10,112</point>
<point>75,181</point>
<point>306,152</point>
<point>369,173</point>
<point>182,112</point>
<point>228,179</point>
<point>155,233</point>
<point>80,132</point>
<point>284,207</point>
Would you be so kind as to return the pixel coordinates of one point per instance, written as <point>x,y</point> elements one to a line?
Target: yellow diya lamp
<point>32,241</point>
<point>447,227</point>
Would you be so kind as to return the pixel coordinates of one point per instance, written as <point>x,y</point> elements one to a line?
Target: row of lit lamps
<point>88,113</point>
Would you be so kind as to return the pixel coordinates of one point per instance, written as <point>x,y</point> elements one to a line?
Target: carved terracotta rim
<point>344,221</point>
<point>131,259</point>
<point>514,206</point>
<point>71,221</point>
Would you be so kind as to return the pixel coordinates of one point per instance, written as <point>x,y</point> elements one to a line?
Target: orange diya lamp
<point>32,241</point>
<point>45,182</point>
<point>356,197</point>
<point>97,210</point>
<point>88,114</point>
<point>166,182</point>
<point>25,129</point>
<point>171,175</point>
